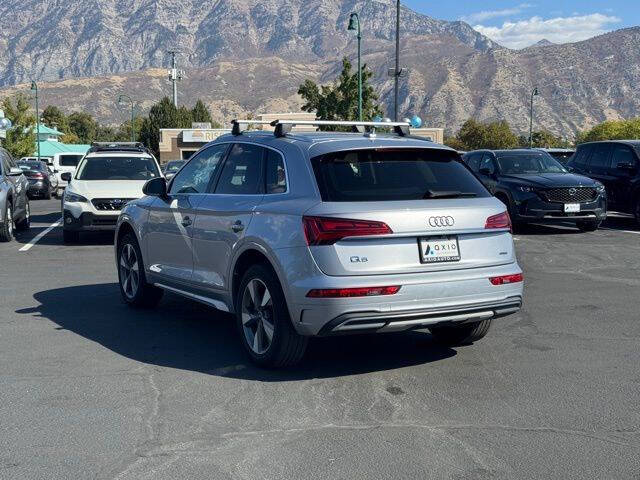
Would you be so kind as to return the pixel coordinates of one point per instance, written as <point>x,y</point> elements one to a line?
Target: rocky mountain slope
<point>249,56</point>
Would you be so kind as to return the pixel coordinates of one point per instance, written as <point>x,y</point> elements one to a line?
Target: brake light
<point>352,292</point>
<point>36,175</point>
<point>327,230</point>
<point>502,220</point>
<point>506,279</point>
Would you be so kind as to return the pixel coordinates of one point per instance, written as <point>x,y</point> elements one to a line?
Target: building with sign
<point>180,143</point>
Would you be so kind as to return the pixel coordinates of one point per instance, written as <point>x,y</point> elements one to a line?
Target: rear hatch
<point>403,211</point>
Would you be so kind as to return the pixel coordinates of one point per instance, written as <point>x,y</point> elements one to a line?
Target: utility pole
<point>397,72</point>
<point>175,75</point>
<point>34,88</point>
<point>534,93</point>
<point>354,24</point>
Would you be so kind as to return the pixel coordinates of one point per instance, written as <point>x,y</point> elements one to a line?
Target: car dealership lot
<point>92,389</point>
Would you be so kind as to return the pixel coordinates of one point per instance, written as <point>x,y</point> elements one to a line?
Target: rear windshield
<point>70,160</point>
<point>383,175</point>
<point>118,168</point>
<point>32,166</point>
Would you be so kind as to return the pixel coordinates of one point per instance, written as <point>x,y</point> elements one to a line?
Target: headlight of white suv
<point>74,198</point>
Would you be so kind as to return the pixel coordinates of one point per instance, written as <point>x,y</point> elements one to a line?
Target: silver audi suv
<point>324,233</point>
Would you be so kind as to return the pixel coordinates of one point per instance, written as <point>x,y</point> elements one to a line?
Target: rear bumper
<point>362,322</point>
<point>38,188</point>
<point>89,221</point>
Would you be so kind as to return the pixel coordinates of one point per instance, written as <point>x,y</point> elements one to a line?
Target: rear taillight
<point>502,220</point>
<point>327,230</point>
<point>36,175</point>
<point>506,279</point>
<point>352,292</point>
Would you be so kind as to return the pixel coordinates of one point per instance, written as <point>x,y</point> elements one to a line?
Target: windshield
<point>70,160</point>
<point>398,174</point>
<point>529,164</point>
<point>118,168</point>
<point>173,167</point>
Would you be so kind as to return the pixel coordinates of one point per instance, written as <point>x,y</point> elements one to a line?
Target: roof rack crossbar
<point>282,127</point>
<point>239,126</point>
<point>117,146</point>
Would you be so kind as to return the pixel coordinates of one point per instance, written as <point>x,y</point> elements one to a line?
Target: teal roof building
<point>50,144</point>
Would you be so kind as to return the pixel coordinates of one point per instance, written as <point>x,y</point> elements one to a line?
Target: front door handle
<point>186,222</point>
<point>237,226</point>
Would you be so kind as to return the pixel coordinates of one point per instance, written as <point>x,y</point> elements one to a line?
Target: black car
<point>42,181</point>
<point>563,155</point>
<point>616,164</point>
<point>536,188</point>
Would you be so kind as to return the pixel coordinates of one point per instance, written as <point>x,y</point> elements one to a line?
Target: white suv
<point>109,176</point>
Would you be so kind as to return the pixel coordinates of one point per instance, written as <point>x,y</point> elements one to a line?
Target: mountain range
<point>250,56</point>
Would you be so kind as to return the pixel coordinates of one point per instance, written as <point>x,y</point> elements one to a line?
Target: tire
<point>516,225</point>
<point>70,236</point>
<point>25,223</point>
<point>589,226</point>
<point>6,227</point>
<point>461,334</point>
<point>135,290</point>
<point>261,312</point>
<point>47,195</point>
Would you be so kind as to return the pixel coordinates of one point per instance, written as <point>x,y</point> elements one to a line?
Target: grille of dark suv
<point>110,204</point>
<point>569,195</point>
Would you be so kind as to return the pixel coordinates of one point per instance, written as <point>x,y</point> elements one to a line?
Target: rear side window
<point>622,155</point>
<point>276,178</point>
<point>69,160</point>
<point>393,174</point>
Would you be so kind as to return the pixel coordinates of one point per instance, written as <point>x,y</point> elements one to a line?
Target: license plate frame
<point>431,251</point>
<point>571,208</point>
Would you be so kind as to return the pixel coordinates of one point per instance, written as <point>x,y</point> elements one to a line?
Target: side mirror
<point>66,176</point>
<point>156,187</point>
<point>15,172</point>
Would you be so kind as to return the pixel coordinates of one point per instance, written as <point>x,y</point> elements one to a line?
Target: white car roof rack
<point>239,126</point>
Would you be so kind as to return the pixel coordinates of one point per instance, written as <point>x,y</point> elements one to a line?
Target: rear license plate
<point>439,249</point>
<point>571,207</point>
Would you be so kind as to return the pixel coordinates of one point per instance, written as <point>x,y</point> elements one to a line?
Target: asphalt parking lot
<point>92,389</point>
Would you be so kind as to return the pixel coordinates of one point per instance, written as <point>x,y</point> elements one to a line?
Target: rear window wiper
<point>447,194</point>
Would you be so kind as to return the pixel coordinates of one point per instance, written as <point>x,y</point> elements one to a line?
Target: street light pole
<point>397,72</point>
<point>34,87</point>
<point>354,24</point>
<point>533,94</point>
<point>121,99</point>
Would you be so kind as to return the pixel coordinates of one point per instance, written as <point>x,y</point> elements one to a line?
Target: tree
<point>163,114</point>
<point>339,101</point>
<point>21,138</point>
<point>200,113</point>
<point>53,117</point>
<point>474,135</point>
<point>83,126</point>
<point>545,139</point>
<point>612,130</point>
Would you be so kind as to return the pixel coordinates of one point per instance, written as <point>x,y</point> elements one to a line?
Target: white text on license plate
<point>439,249</point>
<point>571,207</point>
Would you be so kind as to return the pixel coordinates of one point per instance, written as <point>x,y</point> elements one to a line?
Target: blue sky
<point>518,24</point>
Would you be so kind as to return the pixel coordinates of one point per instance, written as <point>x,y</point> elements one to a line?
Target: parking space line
<point>38,237</point>
<point>616,230</point>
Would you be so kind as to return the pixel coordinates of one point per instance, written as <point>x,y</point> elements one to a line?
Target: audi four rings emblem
<point>442,221</point>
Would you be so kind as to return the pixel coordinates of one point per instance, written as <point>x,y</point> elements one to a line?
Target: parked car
<point>14,204</point>
<point>536,188</point>
<point>65,163</point>
<point>42,181</point>
<point>563,155</point>
<point>109,176</point>
<point>47,160</point>
<point>315,234</point>
<point>172,167</point>
<point>616,164</point>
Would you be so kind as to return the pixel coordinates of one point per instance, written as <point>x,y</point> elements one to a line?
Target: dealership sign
<point>196,135</point>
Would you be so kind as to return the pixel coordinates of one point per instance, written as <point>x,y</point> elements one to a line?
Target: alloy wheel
<point>258,321</point>
<point>129,271</point>
<point>9,220</point>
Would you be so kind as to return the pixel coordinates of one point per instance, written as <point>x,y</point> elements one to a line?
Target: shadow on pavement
<point>186,335</point>
<point>55,237</point>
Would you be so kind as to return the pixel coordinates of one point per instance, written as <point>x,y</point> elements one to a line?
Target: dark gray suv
<point>14,204</point>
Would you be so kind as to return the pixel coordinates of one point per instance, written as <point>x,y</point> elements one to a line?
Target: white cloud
<point>489,14</point>
<point>524,33</point>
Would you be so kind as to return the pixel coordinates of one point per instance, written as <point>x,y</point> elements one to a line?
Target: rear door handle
<point>237,226</point>
<point>186,222</point>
